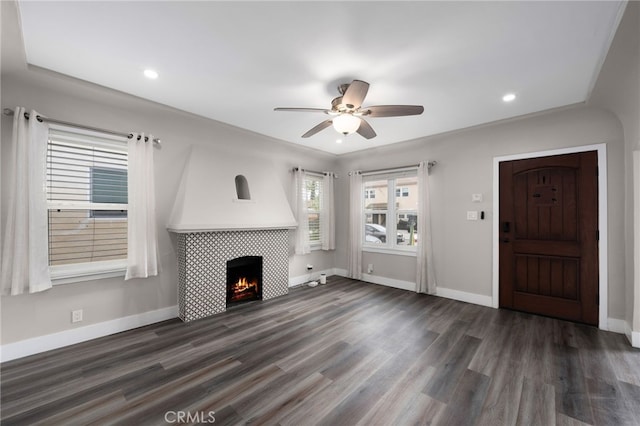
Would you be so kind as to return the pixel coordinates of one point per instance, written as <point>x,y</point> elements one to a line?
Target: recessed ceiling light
<point>151,74</point>
<point>509,97</point>
<point>338,140</point>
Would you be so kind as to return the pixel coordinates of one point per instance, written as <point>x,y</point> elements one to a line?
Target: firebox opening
<point>244,279</point>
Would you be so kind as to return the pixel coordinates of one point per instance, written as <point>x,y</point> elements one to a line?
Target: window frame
<point>86,271</point>
<point>390,246</point>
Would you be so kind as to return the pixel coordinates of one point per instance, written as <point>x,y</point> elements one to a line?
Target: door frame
<point>603,283</point>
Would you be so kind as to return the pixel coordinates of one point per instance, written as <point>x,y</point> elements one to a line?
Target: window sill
<point>67,274</point>
<point>387,250</point>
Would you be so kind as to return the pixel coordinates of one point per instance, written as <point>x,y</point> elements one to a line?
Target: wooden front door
<point>549,236</point>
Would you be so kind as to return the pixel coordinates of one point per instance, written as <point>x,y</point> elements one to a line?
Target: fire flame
<point>242,285</point>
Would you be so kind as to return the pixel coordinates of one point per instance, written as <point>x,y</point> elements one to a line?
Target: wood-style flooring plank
<point>572,396</point>
<point>447,376</point>
<point>404,402</point>
<point>503,397</point>
<point>608,404</point>
<point>467,400</point>
<point>537,404</point>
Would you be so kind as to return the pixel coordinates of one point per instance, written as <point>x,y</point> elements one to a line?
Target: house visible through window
<point>391,222</point>
<point>87,201</point>
<point>312,195</point>
<point>369,193</point>
<point>108,185</point>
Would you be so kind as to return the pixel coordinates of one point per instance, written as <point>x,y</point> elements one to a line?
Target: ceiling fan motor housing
<point>338,106</point>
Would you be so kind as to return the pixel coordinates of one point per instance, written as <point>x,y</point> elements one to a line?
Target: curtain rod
<point>41,119</point>
<point>430,164</point>
<point>295,169</point>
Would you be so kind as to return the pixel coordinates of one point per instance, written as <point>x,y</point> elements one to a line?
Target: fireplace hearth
<point>244,279</point>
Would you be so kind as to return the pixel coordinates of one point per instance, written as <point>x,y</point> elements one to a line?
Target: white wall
<point>72,100</point>
<point>618,90</point>
<point>463,249</point>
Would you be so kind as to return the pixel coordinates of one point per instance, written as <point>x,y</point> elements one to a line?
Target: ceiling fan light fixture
<point>346,123</point>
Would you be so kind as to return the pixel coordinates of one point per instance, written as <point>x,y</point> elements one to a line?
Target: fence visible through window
<point>87,199</point>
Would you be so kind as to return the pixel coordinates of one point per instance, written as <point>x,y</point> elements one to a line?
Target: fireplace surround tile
<point>202,258</point>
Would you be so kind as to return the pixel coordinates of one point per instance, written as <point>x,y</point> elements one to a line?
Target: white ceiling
<point>235,61</point>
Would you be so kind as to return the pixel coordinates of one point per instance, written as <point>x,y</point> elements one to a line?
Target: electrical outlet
<point>370,268</point>
<point>309,267</point>
<point>76,316</point>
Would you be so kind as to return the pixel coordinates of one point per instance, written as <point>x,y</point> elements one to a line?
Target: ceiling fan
<point>348,112</point>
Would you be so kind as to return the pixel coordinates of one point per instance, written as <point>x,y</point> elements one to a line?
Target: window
<point>87,203</point>
<point>402,192</point>
<point>369,193</point>
<point>312,196</point>
<point>391,222</point>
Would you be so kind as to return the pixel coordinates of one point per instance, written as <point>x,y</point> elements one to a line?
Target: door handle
<point>506,240</point>
<point>506,227</point>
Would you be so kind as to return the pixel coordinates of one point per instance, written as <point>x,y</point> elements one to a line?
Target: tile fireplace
<point>203,258</point>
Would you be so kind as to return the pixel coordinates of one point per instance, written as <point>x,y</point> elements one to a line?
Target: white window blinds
<point>87,198</point>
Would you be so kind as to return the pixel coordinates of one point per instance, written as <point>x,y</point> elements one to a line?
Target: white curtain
<point>354,251</point>
<point>328,214</point>
<point>25,265</point>
<point>142,257</point>
<point>302,245</point>
<point>425,274</point>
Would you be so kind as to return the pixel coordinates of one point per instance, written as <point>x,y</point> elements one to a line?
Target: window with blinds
<point>87,198</point>
<point>312,195</point>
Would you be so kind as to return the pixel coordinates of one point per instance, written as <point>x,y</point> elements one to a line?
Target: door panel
<point>548,236</point>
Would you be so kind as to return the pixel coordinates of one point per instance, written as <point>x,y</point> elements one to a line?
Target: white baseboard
<point>48,342</point>
<point>447,293</point>
<point>315,275</point>
<point>389,282</point>
<point>340,272</point>
<point>463,296</point>
<point>633,336</point>
<point>621,326</point>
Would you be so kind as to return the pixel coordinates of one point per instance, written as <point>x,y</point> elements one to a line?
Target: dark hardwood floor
<point>345,353</point>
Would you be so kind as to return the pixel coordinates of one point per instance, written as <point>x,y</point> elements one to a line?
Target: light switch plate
<point>476,198</point>
<point>472,215</point>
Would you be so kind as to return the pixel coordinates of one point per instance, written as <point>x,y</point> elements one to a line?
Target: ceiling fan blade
<point>319,127</point>
<point>365,130</point>
<point>302,109</point>
<point>355,94</point>
<point>392,110</point>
